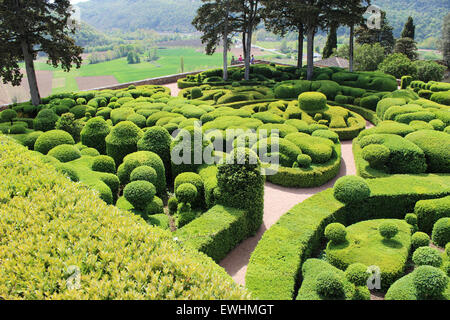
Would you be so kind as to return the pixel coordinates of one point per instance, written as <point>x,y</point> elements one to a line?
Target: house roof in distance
<point>332,62</point>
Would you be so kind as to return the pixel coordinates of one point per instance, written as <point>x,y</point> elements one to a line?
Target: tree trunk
<point>300,46</point>
<point>225,48</point>
<point>31,73</point>
<point>351,49</point>
<point>248,53</point>
<point>310,52</point>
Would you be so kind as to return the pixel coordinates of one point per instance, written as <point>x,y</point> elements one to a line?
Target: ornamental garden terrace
<point>94,179</point>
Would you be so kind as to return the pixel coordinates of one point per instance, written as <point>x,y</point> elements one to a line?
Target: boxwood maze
<point>194,165</point>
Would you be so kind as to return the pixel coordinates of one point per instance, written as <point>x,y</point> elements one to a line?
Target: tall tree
<point>33,26</point>
<point>408,47</point>
<point>383,36</point>
<point>247,15</point>
<point>215,21</point>
<point>331,43</point>
<point>446,39</point>
<point>409,30</point>
<point>283,16</point>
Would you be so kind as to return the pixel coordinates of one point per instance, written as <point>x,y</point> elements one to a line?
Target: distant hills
<point>176,15</point>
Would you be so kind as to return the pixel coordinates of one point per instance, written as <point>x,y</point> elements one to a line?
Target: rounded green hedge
<point>30,139</point>
<point>91,152</point>
<point>104,164</point>
<point>330,285</point>
<point>50,139</point>
<point>376,154</point>
<point>45,120</point>
<point>65,153</point>
<point>304,161</point>
<point>350,189</point>
<point>139,193</point>
<point>312,102</point>
<point>441,232</point>
<point>157,139</point>
<point>186,193</point>
<point>197,181</point>
<point>388,230</point>
<point>426,256</point>
<point>94,133</point>
<point>335,232</point>
<point>144,173</point>
<point>122,140</point>
<point>429,281</point>
<point>420,239</point>
<point>357,274</point>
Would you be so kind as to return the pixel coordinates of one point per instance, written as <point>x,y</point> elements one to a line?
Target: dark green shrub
<point>441,97</point>
<point>186,193</point>
<point>91,152</point>
<point>137,119</point>
<point>50,139</point>
<point>441,232</point>
<point>438,124</point>
<point>341,99</point>
<point>350,189</point>
<point>139,193</point>
<point>173,205</point>
<point>144,173</point>
<point>406,81</point>
<point>388,230</point>
<point>68,123</point>
<point>398,65</point>
<point>304,161</point>
<point>329,285</point>
<point>196,93</point>
<point>376,154</point>
<point>429,281</point>
<point>80,111</point>
<point>104,164</point>
<point>68,171</point>
<point>45,120</point>
<point>419,239</point>
<point>370,102</point>
<point>357,274</point>
<point>426,256</point>
<point>94,133</point>
<point>196,180</point>
<point>430,211</point>
<point>65,153</point>
<point>411,219</point>
<point>122,140</point>
<point>17,129</point>
<point>8,115</point>
<point>30,139</point>
<point>157,139</point>
<point>313,102</point>
<point>335,232</point>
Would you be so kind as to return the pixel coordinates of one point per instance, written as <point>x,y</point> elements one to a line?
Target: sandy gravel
<point>87,83</point>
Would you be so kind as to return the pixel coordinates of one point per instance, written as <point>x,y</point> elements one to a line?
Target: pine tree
<point>446,40</point>
<point>408,47</point>
<point>383,36</point>
<point>33,26</point>
<point>409,30</point>
<point>331,43</point>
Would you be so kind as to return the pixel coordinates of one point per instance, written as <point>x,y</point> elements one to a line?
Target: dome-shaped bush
<point>91,152</point>
<point>327,134</point>
<point>112,181</point>
<point>45,120</point>
<point>350,189</point>
<point>50,139</point>
<point>65,153</point>
<point>104,164</point>
<point>357,274</point>
<point>312,102</point>
<point>376,154</point>
<point>137,119</point>
<point>155,207</point>
<point>426,256</point>
<point>411,219</point>
<point>186,193</point>
<point>441,232</point>
<point>429,281</point>
<point>329,285</point>
<point>420,239</point>
<point>8,115</point>
<point>17,129</point>
<point>122,140</point>
<point>144,173</point>
<point>30,139</point>
<point>304,161</point>
<point>335,232</point>
<point>139,193</point>
<point>196,180</point>
<point>173,205</point>
<point>157,139</point>
<point>388,230</point>
<point>68,171</point>
<point>94,133</point>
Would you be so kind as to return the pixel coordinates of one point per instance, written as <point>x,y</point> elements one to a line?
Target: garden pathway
<point>277,201</point>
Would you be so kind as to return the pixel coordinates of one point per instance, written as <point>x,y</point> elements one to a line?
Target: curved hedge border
<point>367,114</point>
<point>48,223</point>
<point>275,265</point>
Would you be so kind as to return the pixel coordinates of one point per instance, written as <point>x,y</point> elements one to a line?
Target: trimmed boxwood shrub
<point>144,173</point>
<point>50,139</point>
<point>370,102</point>
<point>376,154</point>
<point>388,230</point>
<point>94,133</point>
<point>196,180</point>
<point>186,193</point>
<point>335,232</point>
<point>330,285</point>
<point>429,281</point>
<point>45,120</point>
<point>312,102</point>
<point>441,232</point>
<point>426,256</point>
<point>157,139</point>
<point>172,205</point>
<point>122,140</point>
<point>91,152</point>
<point>65,153</point>
<point>420,239</point>
<point>350,189</point>
<point>30,139</point>
<point>441,97</point>
<point>357,274</point>
<point>430,211</point>
<point>17,129</point>
<point>139,193</point>
<point>104,164</point>
<point>8,115</point>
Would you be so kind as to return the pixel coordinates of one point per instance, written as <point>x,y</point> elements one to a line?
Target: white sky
<point>76,1</point>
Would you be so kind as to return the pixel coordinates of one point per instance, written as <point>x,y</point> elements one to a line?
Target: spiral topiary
<point>430,282</point>
<point>351,189</point>
<point>139,193</point>
<point>441,232</point>
<point>104,164</point>
<point>94,133</point>
<point>335,232</point>
<point>329,285</point>
<point>357,274</point>
<point>186,193</point>
<point>65,153</point>
<point>50,139</point>
<point>426,256</point>
<point>144,173</point>
<point>388,230</point>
